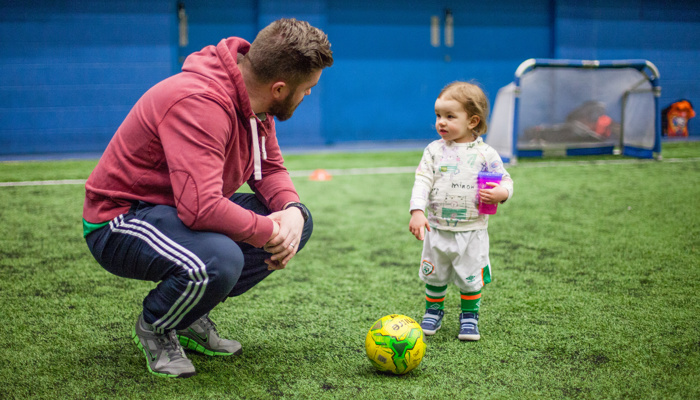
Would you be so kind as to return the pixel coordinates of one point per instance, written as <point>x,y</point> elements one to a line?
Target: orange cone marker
<point>320,175</point>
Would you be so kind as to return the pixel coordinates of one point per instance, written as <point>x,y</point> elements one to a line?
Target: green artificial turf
<point>595,293</point>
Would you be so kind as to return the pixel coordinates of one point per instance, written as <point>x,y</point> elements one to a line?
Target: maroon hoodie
<point>189,143</point>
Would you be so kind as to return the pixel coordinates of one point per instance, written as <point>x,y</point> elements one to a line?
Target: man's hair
<point>473,100</point>
<point>289,50</point>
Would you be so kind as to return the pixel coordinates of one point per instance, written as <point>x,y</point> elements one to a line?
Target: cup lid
<point>492,175</point>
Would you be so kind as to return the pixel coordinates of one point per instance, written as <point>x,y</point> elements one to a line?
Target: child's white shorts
<point>459,257</point>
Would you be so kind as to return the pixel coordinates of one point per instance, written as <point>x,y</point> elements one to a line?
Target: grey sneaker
<point>164,355</point>
<point>202,337</point>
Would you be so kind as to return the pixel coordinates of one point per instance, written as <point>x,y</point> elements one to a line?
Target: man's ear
<point>279,90</point>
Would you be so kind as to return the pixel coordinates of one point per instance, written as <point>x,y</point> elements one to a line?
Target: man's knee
<point>223,261</point>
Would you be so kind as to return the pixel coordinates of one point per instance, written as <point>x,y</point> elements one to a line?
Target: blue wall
<point>666,33</point>
<point>387,73</point>
<point>71,70</point>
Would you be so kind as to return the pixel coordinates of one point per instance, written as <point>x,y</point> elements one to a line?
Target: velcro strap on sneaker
<point>431,317</point>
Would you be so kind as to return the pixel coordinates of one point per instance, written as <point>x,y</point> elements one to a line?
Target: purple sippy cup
<point>481,180</point>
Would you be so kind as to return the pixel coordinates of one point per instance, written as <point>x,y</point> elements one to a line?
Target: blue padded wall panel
<point>665,33</point>
<point>387,74</point>
<point>399,102</point>
<point>70,71</point>
<point>209,22</point>
<point>305,127</point>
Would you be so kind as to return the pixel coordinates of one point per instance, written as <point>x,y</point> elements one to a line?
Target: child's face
<point>452,122</point>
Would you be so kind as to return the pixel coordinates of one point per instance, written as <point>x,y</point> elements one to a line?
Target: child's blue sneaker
<point>468,326</point>
<point>432,321</point>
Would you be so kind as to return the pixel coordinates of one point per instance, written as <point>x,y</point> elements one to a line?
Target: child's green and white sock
<point>471,301</point>
<point>435,297</point>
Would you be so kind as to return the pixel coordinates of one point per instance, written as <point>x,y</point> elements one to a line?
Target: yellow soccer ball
<point>395,344</point>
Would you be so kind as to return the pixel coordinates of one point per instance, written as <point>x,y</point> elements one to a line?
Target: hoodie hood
<point>220,63</point>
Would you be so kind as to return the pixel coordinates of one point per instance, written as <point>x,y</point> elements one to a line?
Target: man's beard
<point>284,109</point>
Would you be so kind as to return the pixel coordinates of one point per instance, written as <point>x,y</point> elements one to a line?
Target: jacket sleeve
<point>496,165</point>
<point>423,182</point>
<point>194,134</point>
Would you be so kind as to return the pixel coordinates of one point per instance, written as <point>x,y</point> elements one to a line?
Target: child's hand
<point>495,195</point>
<point>417,223</point>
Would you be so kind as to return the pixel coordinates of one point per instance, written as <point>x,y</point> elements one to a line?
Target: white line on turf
<point>603,162</point>
<point>358,171</point>
<point>45,183</point>
<point>391,170</point>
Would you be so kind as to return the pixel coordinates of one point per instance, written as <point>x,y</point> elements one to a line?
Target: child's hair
<point>473,99</point>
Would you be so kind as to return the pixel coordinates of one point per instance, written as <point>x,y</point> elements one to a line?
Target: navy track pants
<point>196,270</point>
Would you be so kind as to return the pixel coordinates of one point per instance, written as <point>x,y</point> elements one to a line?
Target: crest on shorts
<point>427,267</point>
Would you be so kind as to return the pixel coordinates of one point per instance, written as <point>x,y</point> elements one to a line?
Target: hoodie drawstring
<point>256,149</point>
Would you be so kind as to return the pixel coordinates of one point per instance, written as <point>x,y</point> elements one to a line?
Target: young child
<point>456,244</point>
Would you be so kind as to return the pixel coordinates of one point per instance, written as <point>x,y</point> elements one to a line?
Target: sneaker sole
<point>471,338</point>
<point>191,344</point>
<point>136,339</point>
<point>431,333</point>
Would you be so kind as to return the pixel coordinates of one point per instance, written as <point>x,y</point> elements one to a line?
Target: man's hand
<point>284,243</point>
<point>417,223</point>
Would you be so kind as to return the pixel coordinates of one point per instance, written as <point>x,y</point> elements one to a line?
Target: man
<point>161,203</point>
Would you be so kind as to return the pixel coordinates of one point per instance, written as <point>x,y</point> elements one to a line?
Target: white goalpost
<point>578,107</point>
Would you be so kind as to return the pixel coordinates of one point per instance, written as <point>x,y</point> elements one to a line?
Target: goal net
<point>576,107</point>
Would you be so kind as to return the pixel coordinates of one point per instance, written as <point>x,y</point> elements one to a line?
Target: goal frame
<point>504,128</point>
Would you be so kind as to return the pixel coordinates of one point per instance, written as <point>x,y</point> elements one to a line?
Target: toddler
<point>456,244</point>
